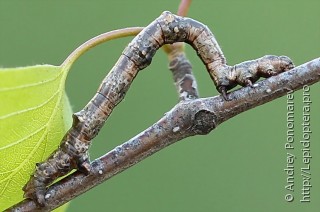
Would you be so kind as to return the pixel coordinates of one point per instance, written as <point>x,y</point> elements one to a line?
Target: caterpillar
<point>248,72</point>
<point>166,29</point>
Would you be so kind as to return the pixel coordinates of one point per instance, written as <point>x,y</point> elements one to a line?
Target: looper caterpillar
<point>167,29</point>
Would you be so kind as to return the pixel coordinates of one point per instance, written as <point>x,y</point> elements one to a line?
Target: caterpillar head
<point>285,63</point>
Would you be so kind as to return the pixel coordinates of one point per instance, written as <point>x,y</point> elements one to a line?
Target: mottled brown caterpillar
<point>167,29</point>
<point>248,72</point>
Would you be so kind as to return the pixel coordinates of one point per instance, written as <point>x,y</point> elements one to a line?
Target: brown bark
<point>187,118</point>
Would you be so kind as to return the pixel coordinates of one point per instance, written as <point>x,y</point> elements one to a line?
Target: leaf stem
<point>102,38</point>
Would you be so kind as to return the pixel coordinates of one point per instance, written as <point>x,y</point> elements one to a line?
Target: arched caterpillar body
<point>167,29</point>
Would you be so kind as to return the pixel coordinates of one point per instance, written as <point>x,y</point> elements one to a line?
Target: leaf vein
<point>30,108</point>
<point>15,170</point>
<point>30,85</point>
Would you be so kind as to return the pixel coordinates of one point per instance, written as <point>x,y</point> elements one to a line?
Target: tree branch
<point>187,118</point>
<point>166,29</point>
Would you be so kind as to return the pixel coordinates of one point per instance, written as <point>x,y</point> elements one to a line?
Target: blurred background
<point>237,167</point>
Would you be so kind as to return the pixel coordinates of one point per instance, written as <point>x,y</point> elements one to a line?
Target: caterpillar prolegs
<point>166,29</point>
<point>248,72</point>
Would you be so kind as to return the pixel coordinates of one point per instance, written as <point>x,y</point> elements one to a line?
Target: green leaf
<point>34,115</point>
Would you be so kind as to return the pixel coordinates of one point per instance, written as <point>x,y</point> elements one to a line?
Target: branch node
<point>204,122</point>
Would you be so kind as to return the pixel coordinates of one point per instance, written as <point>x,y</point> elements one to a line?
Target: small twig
<point>184,7</point>
<point>179,64</point>
<point>182,75</point>
<point>195,117</point>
